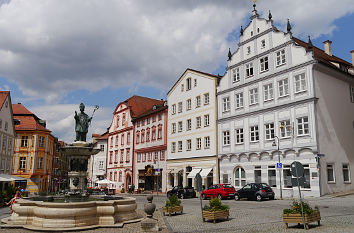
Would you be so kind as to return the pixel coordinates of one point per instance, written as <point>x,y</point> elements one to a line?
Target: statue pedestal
<point>81,143</point>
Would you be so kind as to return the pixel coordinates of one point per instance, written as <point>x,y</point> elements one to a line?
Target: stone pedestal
<point>149,225</point>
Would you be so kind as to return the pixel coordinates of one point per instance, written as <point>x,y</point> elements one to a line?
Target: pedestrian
<point>18,195</point>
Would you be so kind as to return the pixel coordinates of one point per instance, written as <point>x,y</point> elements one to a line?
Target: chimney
<point>328,47</point>
<point>352,52</point>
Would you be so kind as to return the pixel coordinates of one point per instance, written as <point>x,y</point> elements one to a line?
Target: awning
<point>194,172</point>
<point>205,172</point>
<point>9,178</point>
<point>105,181</point>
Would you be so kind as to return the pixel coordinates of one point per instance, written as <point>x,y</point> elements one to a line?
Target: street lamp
<point>277,144</point>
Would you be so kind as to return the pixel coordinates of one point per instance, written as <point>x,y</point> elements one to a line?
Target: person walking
<point>18,195</point>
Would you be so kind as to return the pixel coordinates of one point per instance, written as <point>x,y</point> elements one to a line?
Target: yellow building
<point>33,150</point>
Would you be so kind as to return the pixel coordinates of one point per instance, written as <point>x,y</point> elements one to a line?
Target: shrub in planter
<point>215,210</point>
<point>172,205</point>
<point>122,190</point>
<point>294,215</point>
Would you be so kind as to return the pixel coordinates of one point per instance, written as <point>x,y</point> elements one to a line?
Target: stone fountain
<point>74,211</point>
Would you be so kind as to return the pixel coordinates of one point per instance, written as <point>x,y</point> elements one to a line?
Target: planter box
<point>215,215</point>
<point>297,218</point>
<point>171,210</point>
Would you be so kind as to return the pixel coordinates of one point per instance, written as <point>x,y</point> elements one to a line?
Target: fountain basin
<point>73,215</point>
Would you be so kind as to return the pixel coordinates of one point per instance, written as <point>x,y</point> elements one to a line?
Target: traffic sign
<point>279,165</point>
<point>297,170</point>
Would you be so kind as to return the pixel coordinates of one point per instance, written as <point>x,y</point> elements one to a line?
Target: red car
<point>220,191</point>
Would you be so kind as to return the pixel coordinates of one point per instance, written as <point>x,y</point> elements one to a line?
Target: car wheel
<point>203,196</point>
<point>219,196</point>
<point>237,197</point>
<point>259,197</point>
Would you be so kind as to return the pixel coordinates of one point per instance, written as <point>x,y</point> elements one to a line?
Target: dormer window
<point>189,84</point>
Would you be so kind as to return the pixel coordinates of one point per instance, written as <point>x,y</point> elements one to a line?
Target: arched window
<point>115,176</point>
<point>240,177</point>
<point>120,176</point>
<point>137,137</point>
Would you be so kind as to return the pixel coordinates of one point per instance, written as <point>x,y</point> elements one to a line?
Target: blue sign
<point>158,170</point>
<point>279,165</point>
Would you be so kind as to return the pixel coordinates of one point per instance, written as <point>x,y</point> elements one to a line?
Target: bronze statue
<point>82,124</point>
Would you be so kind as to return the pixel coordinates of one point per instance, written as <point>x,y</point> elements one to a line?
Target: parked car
<point>182,192</point>
<point>255,191</point>
<point>220,191</point>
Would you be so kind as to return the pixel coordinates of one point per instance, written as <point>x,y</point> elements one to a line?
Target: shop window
<point>257,174</point>
<point>272,176</point>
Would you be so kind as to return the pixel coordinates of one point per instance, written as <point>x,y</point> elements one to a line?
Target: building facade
<point>7,135</point>
<point>98,165</point>
<point>192,130</point>
<point>120,168</point>
<point>33,150</point>
<point>150,149</point>
<point>274,102</point>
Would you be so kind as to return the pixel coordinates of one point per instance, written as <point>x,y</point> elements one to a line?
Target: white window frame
<point>173,109</point>
<point>180,146</point>
<point>189,104</point>
<point>300,83</point>
<point>226,138</point>
<point>248,50</point>
<point>173,147</point>
<point>206,120</point>
<point>226,104</point>
<point>239,136</point>
<point>198,101</point>
<point>189,145</point>
<point>199,143</point>
<point>206,142</point>
<point>188,84</point>
<point>303,126</point>
<point>263,44</point>
<point>264,64</point>
<point>236,75</point>
<point>268,93</point>
<point>283,87</point>
<point>347,168</point>
<point>239,100</point>
<point>285,129</point>
<point>189,124</point>
<point>331,166</point>
<point>269,131</point>
<point>173,127</point>
<point>180,107</point>
<point>180,126</point>
<point>280,58</point>
<point>249,70</point>
<point>206,99</point>
<point>254,133</point>
<point>198,122</point>
<point>253,96</point>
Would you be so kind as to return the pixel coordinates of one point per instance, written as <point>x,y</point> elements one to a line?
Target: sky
<point>56,54</point>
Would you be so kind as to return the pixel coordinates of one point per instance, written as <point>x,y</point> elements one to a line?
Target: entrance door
<point>149,182</point>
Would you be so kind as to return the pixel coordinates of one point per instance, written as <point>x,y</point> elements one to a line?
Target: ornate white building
<point>97,169</point>
<point>279,91</point>
<point>192,140</point>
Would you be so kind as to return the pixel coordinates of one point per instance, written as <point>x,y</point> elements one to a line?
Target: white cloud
<point>51,47</point>
<point>60,119</point>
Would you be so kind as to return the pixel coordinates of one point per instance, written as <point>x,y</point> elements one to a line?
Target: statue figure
<point>82,123</point>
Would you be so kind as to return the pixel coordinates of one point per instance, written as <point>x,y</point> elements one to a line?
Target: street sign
<point>279,165</point>
<point>297,170</point>
<point>198,179</point>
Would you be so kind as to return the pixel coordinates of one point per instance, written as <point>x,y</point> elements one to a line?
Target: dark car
<point>182,192</point>
<point>220,191</point>
<point>255,191</point>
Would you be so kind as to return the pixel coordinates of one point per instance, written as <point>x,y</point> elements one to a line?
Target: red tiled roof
<point>151,111</point>
<point>19,109</point>
<point>3,95</point>
<point>319,54</point>
<point>28,120</point>
<point>138,104</point>
<point>100,136</point>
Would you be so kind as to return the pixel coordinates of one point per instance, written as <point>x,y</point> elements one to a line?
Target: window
<point>254,133</point>
<point>173,127</point>
<point>115,176</point>
<point>197,101</point>
<point>173,109</point>
<point>154,118</point>
<point>0,123</point>
<point>272,176</point>
<point>206,142</point>
<point>206,120</point>
<point>280,57</point>
<point>4,142</point>
<point>263,44</point>
<point>287,176</point>
<point>249,70</point>
<point>240,177</point>
<point>180,126</point>
<point>307,176</point>
<point>302,126</point>
<point>182,87</point>
<point>330,174</point>
<point>120,176</point>
<point>173,147</point>
<point>253,96</point>
<point>195,82</point>
<point>268,92</point>
<point>269,131</point>
<point>199,143</point>
<point>117,139</point>
<point>110,176</point>
<point>142,138</point>
<point>189,145</point>
<point>24,141</point>
<point>346,173</point>
<point>110,157</point>
<point>189,124</point>
<point>117,121</point>
<point>180,145</point>
<point>138,156</point>
<point>137,137</point>
<point>189,84</point>
<point>101,165</point>
<point>6,126</point>
<point>226,138</point>
<point>283,87</point>
<point>300,83</point>
<point>189,104</point>
<point>199,122</point>
<point>153,134</point>
<point>162,155</point>
<point>226,104</point>
<point>121,156</point>
<point>239,136</point>
<point>248,49</point>
<point>127,155</point>
<point>123,120</point>
<point>144,157</point>
<point>101,147</point>
<point>156,157</point>
<point>236,75</point>
<point>121,139</point>
<point>159,132</point>
<point>40,163</point>
<point>180,107</point>
<point>206,98</point>
<point>22,164</point>
<point>264,64</point>
<point>351,96</point>
<point>285,129</point>
<point>116,156</point>
<point>257,174</point>
<point>239,100</point>
<point>128,138</point>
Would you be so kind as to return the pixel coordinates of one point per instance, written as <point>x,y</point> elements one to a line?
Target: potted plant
<point>173,205</point>
<point>215,210</point>
<point>293,215</point>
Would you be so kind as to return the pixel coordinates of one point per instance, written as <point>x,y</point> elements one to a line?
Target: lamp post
<point>277,144</point>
